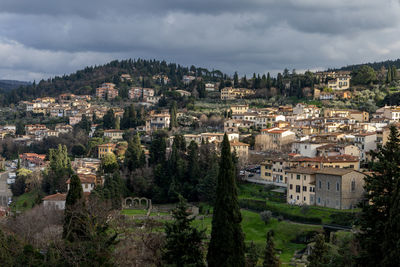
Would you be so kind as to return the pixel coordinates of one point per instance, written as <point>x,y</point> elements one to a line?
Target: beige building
<point>103,149</point>
<point>339,188</point>
<point>229,93</point>
<point>114,135</point>
<point>241,150</point>
<point>238,109</point>
<point>274,139</point>
<point>301,186</point>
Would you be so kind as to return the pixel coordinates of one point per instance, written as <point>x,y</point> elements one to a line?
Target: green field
<point>25,201</point>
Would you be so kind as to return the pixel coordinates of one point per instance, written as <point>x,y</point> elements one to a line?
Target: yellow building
<point>301,186</point>
<point>229,93</point>
<point>238,109</point>
<point>241,150</point>
<point>103,149</point>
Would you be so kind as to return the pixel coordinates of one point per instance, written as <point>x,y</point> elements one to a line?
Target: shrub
<point>266,216</point>
<point>304,209</point>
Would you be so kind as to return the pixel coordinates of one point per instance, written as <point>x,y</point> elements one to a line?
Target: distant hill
<point>375,65</point>
<point>7,85</point>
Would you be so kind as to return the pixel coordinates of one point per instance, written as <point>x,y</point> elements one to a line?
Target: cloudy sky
<point>43,38</point>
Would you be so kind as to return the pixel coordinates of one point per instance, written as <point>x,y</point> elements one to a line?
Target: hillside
<point>85,81</point>
<point>374,65</point>
<point>12,84</point>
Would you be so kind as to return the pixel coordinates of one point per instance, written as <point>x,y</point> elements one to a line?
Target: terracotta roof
<point>55,197</point>
<point>335,171</point>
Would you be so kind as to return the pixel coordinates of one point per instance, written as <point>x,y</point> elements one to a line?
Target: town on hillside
<point>302,148</point>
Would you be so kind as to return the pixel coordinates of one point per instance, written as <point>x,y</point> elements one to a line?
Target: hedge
<point>260,205</point>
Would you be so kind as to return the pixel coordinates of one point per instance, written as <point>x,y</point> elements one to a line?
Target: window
<point>352,166</point>
<point>291,176</point>
<point>319,200</point>
<point>298,177</point>
<point>311,199</point>
<point>305,188</point>
<point>291,196</point>
<point>298,197</point>
<point>304,198</point>
<point>291,186</point>
<point>353,185</point>
<point>328,185</point>
<point>305,177</point>
<point>297,188</point>
<point>337,186</point>
<point>319,184</point>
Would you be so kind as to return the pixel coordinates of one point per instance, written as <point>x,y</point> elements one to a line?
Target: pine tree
<point>73,227</point>
<point>270,258</point>
<point>226,246</point>
<point>378,223</point>
<point>183,242</point>
<point>318,256</point>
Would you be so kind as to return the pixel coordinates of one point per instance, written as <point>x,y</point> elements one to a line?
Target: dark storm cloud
<point>47,37</point>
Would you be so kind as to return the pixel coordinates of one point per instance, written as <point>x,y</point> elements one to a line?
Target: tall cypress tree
<point>318,256</point>
<point>379,237</point>
<point>226,246</point>
<point>72,228</point>
<point>270,259</point>
<point>173,121</point>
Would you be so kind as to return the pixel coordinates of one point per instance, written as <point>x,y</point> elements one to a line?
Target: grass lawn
<point>25,201</point>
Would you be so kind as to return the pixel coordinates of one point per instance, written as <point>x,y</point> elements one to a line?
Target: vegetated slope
<point>12,84</point>
<point>374,65</point>
<point>85,81</point>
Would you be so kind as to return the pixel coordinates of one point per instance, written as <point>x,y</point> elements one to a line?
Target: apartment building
<point>106,91</point>
<point>301,186</point>
<point>365,143</point>
<point>239,109</point>
<point>140,93</point>
<point>274,139</point>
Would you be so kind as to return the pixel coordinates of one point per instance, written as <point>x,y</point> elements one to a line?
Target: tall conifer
<point>226,246</point>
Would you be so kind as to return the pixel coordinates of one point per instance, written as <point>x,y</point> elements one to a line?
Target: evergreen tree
<point>109,119</point>
<point>252,255</point>
<point>158,147</point>
<point>117,123</point>
<point>109,163</point>
<point>113,189</point>
<point>134,155</point>
<point>193,172</point>
<point>226,246</point>
<point>394,73</point>
<point>173,121</point>
<point>318,256</point>
<point>73,226</point>
<point>379,225</point>
<point>389,75</point>
<point>270,258</point>
<point>183,242</point>
<point>236,80</point>
<point>19,128</point>
<point>269,83</point>
<point>58,172</point>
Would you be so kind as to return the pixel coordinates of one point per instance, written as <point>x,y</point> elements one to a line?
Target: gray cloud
<point>45,38</point>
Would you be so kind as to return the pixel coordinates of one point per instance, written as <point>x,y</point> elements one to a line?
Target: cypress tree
<point>173,121</point>
<point>379,237</point>
<point>270,259</point>
<point>394,73</point>
<point>226,246</point>
<point>183,242</point>
<point>389,75</point>
<point>72,228</point>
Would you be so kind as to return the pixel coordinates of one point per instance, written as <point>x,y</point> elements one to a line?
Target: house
<point>339,188</point>
<point>241,150</point>
<point>365,142</point>
<point>188,78</point>
<point>73,120</point>
<point>103,149</point>
<point>55,201</point>
<point>336,149</point>
<point>32,160</point>
<point>391,113</point>
<point>326,96</point>
<point>264,121</point>
<point>158,121</point>
<point>210,87</point>
<point>238,109</point>
<point>106,91</point>
<point>232,125</point>
<point>140,93</point>
<point>88,182</point>
<point>229,93</point>
<point>309,111</point>
<point>274,169</point>
<point>306,148</point>
<point>274,139</point>
<point>301,186</point>
<point>126,77</point>
<point>340,82</point>
<point>86,165</point>
<point>183,92</point>
<point>114,135</point>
